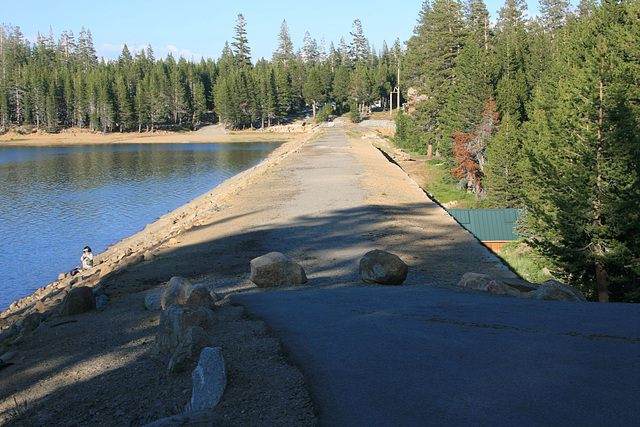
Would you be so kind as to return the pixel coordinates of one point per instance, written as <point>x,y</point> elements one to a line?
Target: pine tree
<point>504,166</point>
<point>284,52</point>
<point>242,51</point>
<point>124,105</point>
<point>342,86</point>
<point>283,92</point>
<point>143,103</point>
<point>430,67</point>
<point>313,93</point>
<point>310,53</point>
<point>554,13</point>
<point>359,48</point>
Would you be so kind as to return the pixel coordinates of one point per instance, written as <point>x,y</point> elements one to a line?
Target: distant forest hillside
<point>541,115</point>
<point>54,85</point>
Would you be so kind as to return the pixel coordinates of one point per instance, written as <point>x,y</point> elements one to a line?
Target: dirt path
<point>324,203</point>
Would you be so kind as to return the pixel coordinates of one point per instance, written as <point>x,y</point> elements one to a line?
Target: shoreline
<point>156,236</point>
<point>85,137</point>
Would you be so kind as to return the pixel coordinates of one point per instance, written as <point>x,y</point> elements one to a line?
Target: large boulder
<point>153,299</point>
<point>78,300</point>
<point>475,281</point>
<point>485,283</point>
<point>175,291</point>
<point>383,268</point>
<point>209,379</point>
<point>191,345</point>
<point>552,290</point>
<point>199,295</point>
<point>276,269</point>
<point>175,321</point>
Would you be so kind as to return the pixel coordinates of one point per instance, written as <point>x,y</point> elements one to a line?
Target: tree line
<point>52,85</point>
<point>542,115</point>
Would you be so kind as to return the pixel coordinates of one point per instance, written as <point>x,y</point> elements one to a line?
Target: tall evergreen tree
<point>284,52</point>
<point>242,51</point>
<point>554,13</point>
<point>430,67</point>
<point>313,90</point>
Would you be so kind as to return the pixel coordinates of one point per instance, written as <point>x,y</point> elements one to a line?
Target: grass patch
<point>522,260</point>
<point>439,182</point>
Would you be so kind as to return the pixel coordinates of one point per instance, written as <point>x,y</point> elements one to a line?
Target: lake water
<point>56,200</point>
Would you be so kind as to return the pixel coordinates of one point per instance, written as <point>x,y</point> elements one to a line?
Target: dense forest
<point>53,85</point>
<point>538,114</point>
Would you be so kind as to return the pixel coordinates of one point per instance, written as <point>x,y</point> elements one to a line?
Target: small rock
<point>501,288</point>
<point>99,290</point>
<point>475,281</point>
<point>102,302</point>
<point>31,321</point>
<point>552,290</point>
<point>40,306</point>
<point>191,345</point>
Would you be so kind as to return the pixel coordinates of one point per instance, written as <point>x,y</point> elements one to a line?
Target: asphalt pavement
<point>427,356</point>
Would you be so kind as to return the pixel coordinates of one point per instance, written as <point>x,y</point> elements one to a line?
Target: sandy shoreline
<point>80,137</point>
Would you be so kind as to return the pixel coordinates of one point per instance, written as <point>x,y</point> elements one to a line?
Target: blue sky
<point>196,28</point>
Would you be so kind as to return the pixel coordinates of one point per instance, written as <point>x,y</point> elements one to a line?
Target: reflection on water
<point>56,200</point>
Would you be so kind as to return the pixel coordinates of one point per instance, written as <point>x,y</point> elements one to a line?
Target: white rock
<point>209,379</point>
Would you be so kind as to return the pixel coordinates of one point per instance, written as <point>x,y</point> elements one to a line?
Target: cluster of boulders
<point>288,129</point>
<point>276,269</point>
<point>384,268</point>
<point>551,290</point>
<point>183,332</point>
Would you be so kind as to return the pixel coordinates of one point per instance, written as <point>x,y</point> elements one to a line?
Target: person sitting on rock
<point>86,258</point>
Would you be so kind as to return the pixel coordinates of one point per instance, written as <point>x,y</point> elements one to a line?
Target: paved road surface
<point>422,356</point>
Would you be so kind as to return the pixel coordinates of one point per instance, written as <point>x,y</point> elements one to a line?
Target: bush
<point>354,116</point>
<point>324,113</point>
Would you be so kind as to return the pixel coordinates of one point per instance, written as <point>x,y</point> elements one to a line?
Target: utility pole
<point>398,84</point>
<point>395,90</point>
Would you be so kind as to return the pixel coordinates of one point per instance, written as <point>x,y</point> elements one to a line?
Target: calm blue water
<point>56,200</point>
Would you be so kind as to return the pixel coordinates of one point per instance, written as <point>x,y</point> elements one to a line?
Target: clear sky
<point>196,28</point>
